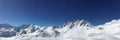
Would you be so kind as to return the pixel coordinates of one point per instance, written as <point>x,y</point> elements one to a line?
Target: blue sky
<point>57,12</point>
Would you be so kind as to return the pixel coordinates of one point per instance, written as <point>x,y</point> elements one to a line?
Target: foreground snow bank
<point>93,36</point>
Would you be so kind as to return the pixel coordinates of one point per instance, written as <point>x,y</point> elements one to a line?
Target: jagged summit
<point>82,23</point>
<point>77,23</point>
<point>29,26</point>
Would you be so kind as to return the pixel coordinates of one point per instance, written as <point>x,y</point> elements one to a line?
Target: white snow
<point>78,30</point>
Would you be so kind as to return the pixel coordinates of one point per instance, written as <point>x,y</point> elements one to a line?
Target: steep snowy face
<point>111,27</point>
<point>26,29</point>
<point>78,23</point>
<point>51,32</point>
<point>36,31</point>
<point>78,28</point>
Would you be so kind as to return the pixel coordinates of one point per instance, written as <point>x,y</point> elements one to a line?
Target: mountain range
<point>76,30</point>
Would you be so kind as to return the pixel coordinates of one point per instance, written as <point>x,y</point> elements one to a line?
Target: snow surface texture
<point>78,30</point>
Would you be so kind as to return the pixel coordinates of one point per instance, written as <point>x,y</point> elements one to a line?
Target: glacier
<point>76,30</point>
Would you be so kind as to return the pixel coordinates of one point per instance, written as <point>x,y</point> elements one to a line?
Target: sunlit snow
<point>77,30</point>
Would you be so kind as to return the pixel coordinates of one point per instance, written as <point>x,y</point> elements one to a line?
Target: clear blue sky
<point>57,12</point>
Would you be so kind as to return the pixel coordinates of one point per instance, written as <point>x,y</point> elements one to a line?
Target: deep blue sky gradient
<point>57,12</point>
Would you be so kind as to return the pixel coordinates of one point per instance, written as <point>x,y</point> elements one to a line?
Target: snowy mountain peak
<point>27,28</point>
<point>77,23</point>
<point>82,23</point>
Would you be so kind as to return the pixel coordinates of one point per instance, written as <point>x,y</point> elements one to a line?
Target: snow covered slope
<point>77,30</point>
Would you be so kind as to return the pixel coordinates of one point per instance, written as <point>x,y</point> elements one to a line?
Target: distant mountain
<point>6,30</point>
<point>6,26</point>
<point>77,30</point>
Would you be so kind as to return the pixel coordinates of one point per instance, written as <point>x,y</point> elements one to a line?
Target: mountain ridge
<point>77,29</point>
